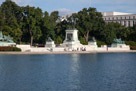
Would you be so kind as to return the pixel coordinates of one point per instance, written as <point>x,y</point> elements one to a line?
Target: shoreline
<point>64,52</point>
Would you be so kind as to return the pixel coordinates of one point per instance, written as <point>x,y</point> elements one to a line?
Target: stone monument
<point>93,43</point>
<point>71,40</point>
<point>50,43</point>
<point>6,40</point>
<point>118,43</point>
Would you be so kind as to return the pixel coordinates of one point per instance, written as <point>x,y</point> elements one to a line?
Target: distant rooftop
<point>114,13</point>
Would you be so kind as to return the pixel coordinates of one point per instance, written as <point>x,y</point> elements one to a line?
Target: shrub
<point>131,43</point>
<point>133,47</point>
<point>9,49</point>
<point>58,40</point>
<point>83,41</point>
<point>16,49</point>
<point>99,43</point>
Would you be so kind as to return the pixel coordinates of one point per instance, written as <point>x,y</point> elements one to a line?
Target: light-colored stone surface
<point>27,48</point>
<point>50,44</point>
<point>24,47</point>
<point>72,41</point>
<point>70,52</point>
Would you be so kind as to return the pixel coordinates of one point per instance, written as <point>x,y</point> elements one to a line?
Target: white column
<point>131,23</point>
<point>122,23</point>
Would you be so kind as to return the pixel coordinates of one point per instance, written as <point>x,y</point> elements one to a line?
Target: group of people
<point>68,49</point>
<point>78,49</point>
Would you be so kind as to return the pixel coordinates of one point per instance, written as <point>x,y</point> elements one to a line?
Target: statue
<point>93,42</point>
<point>50,42</point>
<point>49,39</point>
<point>73,22</point>
<point>118,41</point>
<point>6,40</point>
<point>93,39</point>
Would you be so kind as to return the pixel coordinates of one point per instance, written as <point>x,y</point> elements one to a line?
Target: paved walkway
<point>65,52</point>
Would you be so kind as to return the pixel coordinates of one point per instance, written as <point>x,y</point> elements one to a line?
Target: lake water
<point>68,72</point>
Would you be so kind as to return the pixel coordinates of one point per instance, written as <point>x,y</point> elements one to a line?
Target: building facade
<point>125,19</point>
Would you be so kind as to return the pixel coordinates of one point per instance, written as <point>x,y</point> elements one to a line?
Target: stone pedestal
<point>119,45</point>
<point>50,44</point>
<point>93,44</point>
<point>71,40</point>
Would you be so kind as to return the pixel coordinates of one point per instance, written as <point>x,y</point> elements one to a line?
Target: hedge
<point>131,43</point>
<point>99,43</point>
<point>9,49</point>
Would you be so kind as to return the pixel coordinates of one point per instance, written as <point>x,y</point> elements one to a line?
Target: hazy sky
<point>68,6</point>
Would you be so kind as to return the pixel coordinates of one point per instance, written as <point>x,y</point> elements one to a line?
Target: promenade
<point>64,52</point>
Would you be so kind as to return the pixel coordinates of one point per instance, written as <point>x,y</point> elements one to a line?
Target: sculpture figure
<point>118,41</point>
<point>73,22</point>
<point>49,39</point>
<point>6,40</point>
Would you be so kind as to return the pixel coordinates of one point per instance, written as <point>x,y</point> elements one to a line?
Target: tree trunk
<point>20,39</point>
<point>31,40</point>
<point>86,35</point>
<point>31,34</point>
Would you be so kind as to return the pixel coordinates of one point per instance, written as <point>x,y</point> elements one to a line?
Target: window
<point>109,18</point>
<point>117,18</point>
<point>133,17</point>
<point>121,18</point>
<point>129,17</point>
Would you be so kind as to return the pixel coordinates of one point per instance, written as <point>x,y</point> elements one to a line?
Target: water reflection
<point>78,72</point>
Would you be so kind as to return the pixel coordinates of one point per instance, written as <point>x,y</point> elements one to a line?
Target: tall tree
<point>10,11</point>
<point>32,19</point>
<point>46,26</point>
<point>89,20</point>
<point>108,34</point>
<point>53,18</point>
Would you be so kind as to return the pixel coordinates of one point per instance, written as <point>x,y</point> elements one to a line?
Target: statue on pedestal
<point>49,39</point>
<point>118,41</point>
<point>6,40</point>
<point>73,22</point>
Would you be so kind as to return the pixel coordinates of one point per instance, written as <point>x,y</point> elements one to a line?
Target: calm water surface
<point>75,72</point>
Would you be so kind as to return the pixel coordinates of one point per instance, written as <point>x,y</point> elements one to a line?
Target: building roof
<point>114,13</point>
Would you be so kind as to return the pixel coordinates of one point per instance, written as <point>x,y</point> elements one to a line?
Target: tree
<point>109,33</point>
<point>58,40</point>
<point>60,29</point>
<point>89,21</point>
<point>53,18</point>
<point>9,11</point>
<point>32,18</point>
<point>46,26</point>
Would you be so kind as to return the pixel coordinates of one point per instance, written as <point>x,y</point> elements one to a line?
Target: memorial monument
<point>6,40</point>
<point>50,43</point>
<point>118,43</point>
<point>93,43</point>
<point>71,39</point>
